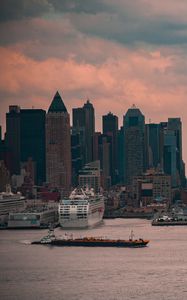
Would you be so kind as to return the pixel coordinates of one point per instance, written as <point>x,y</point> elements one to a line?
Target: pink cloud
<point>146,78</point>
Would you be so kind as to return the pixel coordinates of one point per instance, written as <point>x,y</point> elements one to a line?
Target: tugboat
<point>48,238</point>
<point>66,240</point>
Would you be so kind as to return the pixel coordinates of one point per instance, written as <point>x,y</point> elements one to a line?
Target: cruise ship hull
<point>81,210</point>
<point>91,221</point>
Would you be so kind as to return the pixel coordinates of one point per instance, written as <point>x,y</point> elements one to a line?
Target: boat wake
<point>26,242</point>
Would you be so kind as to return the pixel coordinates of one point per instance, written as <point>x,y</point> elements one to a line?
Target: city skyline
<point>98,127</point>
<point>123,153</point>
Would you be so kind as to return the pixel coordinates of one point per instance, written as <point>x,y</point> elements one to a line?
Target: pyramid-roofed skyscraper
<point>58,144</point>
<point>57,104</point>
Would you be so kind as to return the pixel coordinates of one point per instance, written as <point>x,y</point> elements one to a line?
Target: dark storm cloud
<point>127,22</point>
<point>19,9</point>
<point>79,6</point>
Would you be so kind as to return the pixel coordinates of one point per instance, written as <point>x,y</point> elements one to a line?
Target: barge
<point>52,240</point>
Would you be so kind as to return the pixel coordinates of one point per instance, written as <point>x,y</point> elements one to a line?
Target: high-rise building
<point>134,146</point>
<point>84,119</point>
<point>163,128</point>
<point>105,157</point>
<point>171,151</point>
<point>175,124</point>
<point>121,154</point>
<point>25,139</point>
<point>96,145</point>
<point>170,156</point>
<point>90,176</point>
<point>78,117</point>
<point>12,139</point>
<point>58,144</point>
<point>110,123</point>
<point>152,147</point>
<point>3,150</point>
<point>102,151</point>
<point>110,128</point>
<point>32,141</point>
<point>4,176</point>
<point>76,155</point>
<point>89,129</point>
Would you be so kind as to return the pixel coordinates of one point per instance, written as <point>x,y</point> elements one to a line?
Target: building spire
<point>57,104</point>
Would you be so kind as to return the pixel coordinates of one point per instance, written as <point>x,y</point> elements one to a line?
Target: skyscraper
<point>32,140</point>
<point>153,144</point>
<point>25,139</point>
<point>170,156</point>
<point>76,155</point>
<point>171,151</point>
<point>58,144</point>
<point>89,129</point>
<point>12,139</point>
<point>110,128</point>
<point>105,157</point>
<point>134,148</point>
<point>84,120</point>
<point>80,128</point>
<point>120,154</point>
<point>4,176</point>
<point>102,146</point>
<point>175,124</point>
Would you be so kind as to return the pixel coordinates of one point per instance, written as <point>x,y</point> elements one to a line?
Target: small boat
<point>66,240</point>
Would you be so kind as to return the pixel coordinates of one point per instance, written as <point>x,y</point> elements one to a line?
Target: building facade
<point>151,187</point>
<point>110,128</point>
<point>153,145</point>
<point>134,146</point>
<point>89,176</point>
<point>32,141</point>
<point>76,155</point>
<point>105,157</point>
<point>12,139</point>
<point>175,125</point>
<point>4,176</point>
<point>58,145</point>
<point>84,120</point>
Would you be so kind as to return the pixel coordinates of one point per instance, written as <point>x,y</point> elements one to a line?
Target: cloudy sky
<point>114,52</point>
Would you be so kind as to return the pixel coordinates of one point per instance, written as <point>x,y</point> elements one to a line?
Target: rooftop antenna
<point>88,100</point>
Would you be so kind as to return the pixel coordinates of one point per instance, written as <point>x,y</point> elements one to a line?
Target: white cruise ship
<point>10,202</point>
<point>82,209</point>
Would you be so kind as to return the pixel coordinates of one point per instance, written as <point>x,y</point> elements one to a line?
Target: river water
<point>158,271</point>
